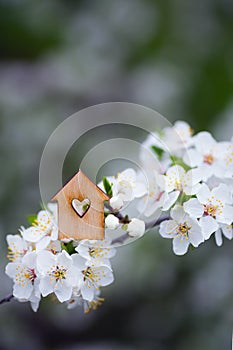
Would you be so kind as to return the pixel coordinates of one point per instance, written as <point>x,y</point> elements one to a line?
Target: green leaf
<point>68,247</point>
<point>31,218</point>
<point>179,161</point>
<point>107,186</point>
<point>158,151</point>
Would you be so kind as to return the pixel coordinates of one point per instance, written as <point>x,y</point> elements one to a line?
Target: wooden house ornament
<point>80,209</point>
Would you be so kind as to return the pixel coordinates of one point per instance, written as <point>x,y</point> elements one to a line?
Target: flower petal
<point>63,292</point>
<point>88,291</point>
<point>203,194</point>
<point>218,238</point>
<point>208,225</point>
<point>194,208</point>
<point>195,235</point>
<point>180,245</point>
<point>21,291</point>
<point>168,228</point>
<point>78,261</point>
<point>170,200</point>
<point>177,213</point>
<point>45,260</point>
<point>46,286</point>
<point>227,231</point>
<point>64,259</point>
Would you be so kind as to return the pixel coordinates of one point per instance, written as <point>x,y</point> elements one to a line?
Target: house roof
<point>82,184</point>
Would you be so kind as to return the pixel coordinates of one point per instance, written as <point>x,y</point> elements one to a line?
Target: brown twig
<point>149,225</point>
<point>7,299</point>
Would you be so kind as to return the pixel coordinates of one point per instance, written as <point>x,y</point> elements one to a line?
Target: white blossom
<point>178,180</point>
<point>95,249</point>
<point>58,275</point>
<point>17,247</point>
<point>93,277</point>
<point>177,137</point>
<point>225,150</point>
<point>183,229</point>
<point>211,207</point>
<point>205,155</point>
<point>44,229</point>
<point>223,230</point>
<point>156,198</point>
<point>77,300</point>
<point>25,277</point>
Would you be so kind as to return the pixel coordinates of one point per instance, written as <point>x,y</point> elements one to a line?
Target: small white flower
<point>224,230</point>
<point>94,249</point>
<point>212,207</point>
<point>127,180</point>
<point>111,222</point>
<point>125,187</point>
<point>17,247</point>
<point>178,137</point>
<point>182,229</point>
<point>225,150</point>
<point>178,180</point>
<point>58,274</point>
<point>77,300</point>
<point>136,228</point>
<point>93,277</point>
<point>44,229</point>
<point>25,277</point>
<point>116,202</point>
<point>205,156</point>
<point>156,198</point>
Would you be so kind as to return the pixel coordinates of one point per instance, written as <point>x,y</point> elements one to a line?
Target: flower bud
<point>116,202</point>
<point>136,228</point>
<point>111,222</point>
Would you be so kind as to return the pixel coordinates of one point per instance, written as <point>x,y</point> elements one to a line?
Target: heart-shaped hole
<point>81,207</point>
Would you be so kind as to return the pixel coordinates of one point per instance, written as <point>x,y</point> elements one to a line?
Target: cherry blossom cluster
<point>193,182</point>
<point>184,186</point>
<point>41,265</point>
<point>189,178</point>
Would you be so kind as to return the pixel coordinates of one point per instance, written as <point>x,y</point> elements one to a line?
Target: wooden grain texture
<point>70,224</point>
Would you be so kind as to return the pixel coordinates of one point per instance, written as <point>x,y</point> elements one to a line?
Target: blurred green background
<point>57,57</point>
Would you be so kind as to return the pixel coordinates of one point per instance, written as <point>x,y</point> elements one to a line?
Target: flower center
<point>14,253</point>
<point>94,304</point>
<point>178,185</point>
<point>183,228</point>
<point>44,226</point>
<point>30,274</point>
<point>59,273</point>
<point>210,209</point>
<point>208,159</point>
<point>88,274</point>
<point>97,252</point>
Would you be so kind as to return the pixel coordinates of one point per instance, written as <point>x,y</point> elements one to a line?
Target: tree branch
<point>149,225</point>
<point>157,222</point>
<point>7,299</point>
